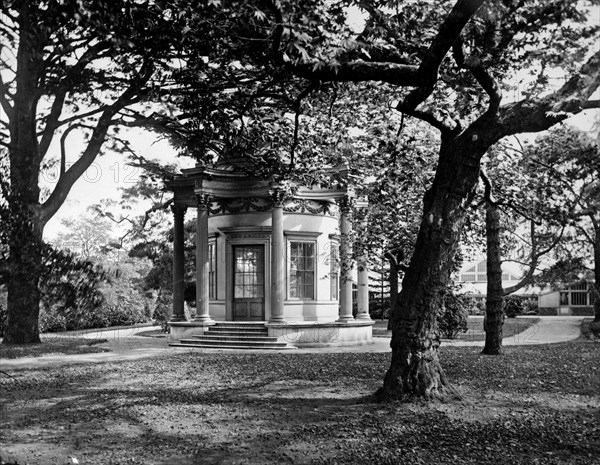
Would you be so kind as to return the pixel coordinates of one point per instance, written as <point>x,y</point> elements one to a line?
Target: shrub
<point>475,306</point>
<point>2,320</point>
<point>379,310</point>
<point>163,311</point>
<point>51,321</point>
<point>453,316</point>
<point>518,305</point>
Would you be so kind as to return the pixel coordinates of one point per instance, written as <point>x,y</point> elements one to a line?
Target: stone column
<point>345,314</point>
<point>278,270</point>
<point>202,260</point>
<point>178,262</point>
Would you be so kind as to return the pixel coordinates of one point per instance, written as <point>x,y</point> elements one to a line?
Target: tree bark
<point>597,275</point>
<point>393,289</point>
<point>415,370</point>
<point>394,260</point>
<point>25,228</point>
<point>494,314</point>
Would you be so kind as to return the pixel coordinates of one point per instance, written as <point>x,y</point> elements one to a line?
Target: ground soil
<point>535,404</point>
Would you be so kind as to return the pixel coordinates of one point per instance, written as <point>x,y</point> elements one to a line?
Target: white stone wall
<point>322,308</point>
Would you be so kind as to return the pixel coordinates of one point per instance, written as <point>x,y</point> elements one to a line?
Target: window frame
<point>334,270</point>
<point>212,269</point>
<point>305,271</point>
<point>302,237</point>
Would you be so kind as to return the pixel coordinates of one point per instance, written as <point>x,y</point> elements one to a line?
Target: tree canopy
<point>237,70</point>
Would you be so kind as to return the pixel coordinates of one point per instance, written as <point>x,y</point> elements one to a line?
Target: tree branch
<point>63,138</point>
<point>59,99</point>
<point>535,257</point>
<point>485,80</point>
<point>298,107</point>
<point>6,106</point>
<point>65,182</point>
<point>540,114</point>
<point>448,34</point>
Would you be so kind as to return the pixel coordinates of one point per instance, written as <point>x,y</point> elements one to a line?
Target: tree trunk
<point>597,276</point>
<point>393,289</point>
<point>23,300</point>
<point>494,315</point>
<point>25,226</point>
<point>415,369</point>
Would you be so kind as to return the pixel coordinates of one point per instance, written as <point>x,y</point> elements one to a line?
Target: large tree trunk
<point>25,226</point>
<point>494,315</point>
<point>393,287</point>
<point>597,276</point>
<point>24,269</point>
<point>415,369</point>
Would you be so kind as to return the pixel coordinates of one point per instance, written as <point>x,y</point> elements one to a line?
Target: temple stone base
<point>186,329</point>
<point>306,334</point>
<point>323,334</point>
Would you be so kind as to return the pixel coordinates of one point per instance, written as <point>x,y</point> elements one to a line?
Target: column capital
<point>178,209</point>
<point>345,204</point>
<point>203,201</point>
<point>278,196</point>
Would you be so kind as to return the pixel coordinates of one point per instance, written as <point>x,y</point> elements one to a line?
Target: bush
<point>520,305</point>
<point>379,310</point>
<point>475,306</point>
<point>104,316</point>
<point>2,320</point>
<point>51,321</point>
<point>163,311</point>
<point>453,317</point>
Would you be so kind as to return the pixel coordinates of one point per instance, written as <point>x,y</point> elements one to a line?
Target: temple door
<point>249,282</point>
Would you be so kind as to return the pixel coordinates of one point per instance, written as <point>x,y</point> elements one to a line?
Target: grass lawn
<point>52,345</point>
<point>535,404</point>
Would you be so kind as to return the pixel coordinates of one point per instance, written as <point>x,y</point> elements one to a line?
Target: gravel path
<point>124,344</point>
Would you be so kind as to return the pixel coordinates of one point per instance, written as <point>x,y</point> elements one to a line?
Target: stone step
<point>229,347</point>
<point>243,324</point>
<point>235,337</point>
<point>233,332</point>
<point>230,341</point>
<point>219,344</point>
<point>227,330</point>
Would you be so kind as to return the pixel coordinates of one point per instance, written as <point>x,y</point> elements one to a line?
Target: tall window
<point>579,294</point>
<point>302,270</point>
<point>212,270</point>
<point>334,271</point>
<point>478,274</point>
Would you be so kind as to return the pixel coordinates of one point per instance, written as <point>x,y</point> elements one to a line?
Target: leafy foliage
<point>520,305</point>
<point>163,311</point>
<point>453,316</point>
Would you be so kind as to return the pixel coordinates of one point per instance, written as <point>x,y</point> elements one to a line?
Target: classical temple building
<point>273,263</point>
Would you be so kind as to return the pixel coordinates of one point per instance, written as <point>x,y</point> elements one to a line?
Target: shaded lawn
<point>51,345</point>
<point>72,344</point>
<point>475,332</point>
<point>534,404</point>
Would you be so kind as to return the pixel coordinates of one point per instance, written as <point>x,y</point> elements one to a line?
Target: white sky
<point>106,175</point>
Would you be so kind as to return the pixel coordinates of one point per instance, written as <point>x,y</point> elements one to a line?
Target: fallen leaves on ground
<point>534,404</point>
<point>52,345</point>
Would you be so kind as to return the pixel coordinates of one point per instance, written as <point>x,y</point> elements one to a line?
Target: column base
<point>277,320</point>
<point>203,319</point>
<point>176,318</point>
<point>363,316</point>
<point>345,319</point>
